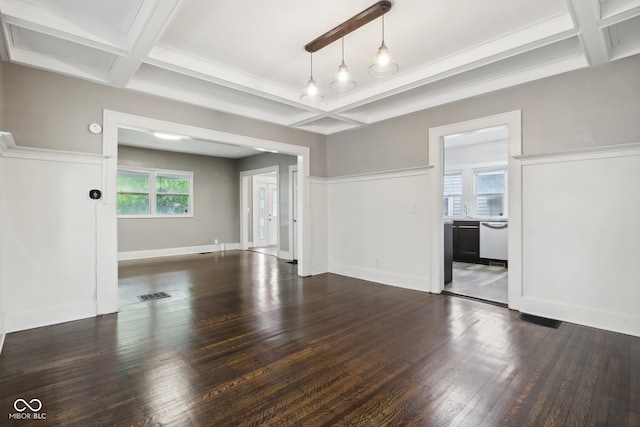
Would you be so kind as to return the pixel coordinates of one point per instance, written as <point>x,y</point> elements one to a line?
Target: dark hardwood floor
<point>243,341</point>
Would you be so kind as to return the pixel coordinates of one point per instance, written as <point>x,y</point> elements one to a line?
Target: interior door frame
<point>245,176</point>
<point>107,220</point>
<point>292,243</point>
<point>513,120</point>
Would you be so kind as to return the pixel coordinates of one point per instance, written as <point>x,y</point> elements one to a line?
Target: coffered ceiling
<point>247,57</point>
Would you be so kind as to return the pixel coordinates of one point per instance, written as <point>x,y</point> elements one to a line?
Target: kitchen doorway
<point>475,209</point>
<point>513,178</point>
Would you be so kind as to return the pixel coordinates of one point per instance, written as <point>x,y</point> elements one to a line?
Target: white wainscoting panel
<point>3,212</point>
<point>48,245</point>
<point>581,257</point>
<point>319,225</point>
<point>379,226</point>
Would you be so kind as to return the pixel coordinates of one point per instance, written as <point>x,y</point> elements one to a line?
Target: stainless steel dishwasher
<point>494,240</point>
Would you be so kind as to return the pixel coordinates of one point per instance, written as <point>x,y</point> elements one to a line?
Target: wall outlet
<point>216,241</point>
<point>377,262</point>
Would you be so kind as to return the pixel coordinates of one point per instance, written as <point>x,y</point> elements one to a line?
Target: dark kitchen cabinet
<point>466,241</point>
<point>448,252</point>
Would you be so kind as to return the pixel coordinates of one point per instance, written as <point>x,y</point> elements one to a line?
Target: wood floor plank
<point>243,341</point>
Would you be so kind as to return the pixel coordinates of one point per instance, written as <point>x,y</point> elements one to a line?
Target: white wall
<point>318,196</point>
<point>580,238</point>
<point>48,246</point>
<point>378,227</point>
<point>580,241</point>
<point>3,211</point>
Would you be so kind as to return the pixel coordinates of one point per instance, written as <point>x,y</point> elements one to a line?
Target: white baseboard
<point>284,254</point>
<point>586,316</point>
<point>381,276</point>
<point>157,253</point>
<point>49,316</point>
<point>320,268</point>
<point>2,337</point>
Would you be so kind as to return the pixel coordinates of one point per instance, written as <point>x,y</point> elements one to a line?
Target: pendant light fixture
<point>311,93</point>
<point>383,64</point>
<point>343,80</point>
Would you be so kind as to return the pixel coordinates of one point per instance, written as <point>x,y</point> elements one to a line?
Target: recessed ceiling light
<point>169,136</point>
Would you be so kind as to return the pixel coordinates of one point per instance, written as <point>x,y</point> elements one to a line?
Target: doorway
<point>106,237</point>
<point>475,209</point>
<point>265,218</point>
<point>293,213</point>
<point>512,121</point>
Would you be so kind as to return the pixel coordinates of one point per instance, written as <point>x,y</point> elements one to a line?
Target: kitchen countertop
<point>446,220</point>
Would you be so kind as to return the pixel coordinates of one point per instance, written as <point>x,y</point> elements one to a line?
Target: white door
<point>272,214</point>
<point>294,213</point>
<point>265,230</point>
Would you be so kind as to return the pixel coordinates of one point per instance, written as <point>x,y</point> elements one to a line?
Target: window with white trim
<point>453,194</point>
<point>145,192</point>
<point>490,192</point>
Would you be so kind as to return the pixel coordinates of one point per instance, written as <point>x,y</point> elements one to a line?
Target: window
<point>490,192</point>
<point>154,193</point>
<point>453,194</point>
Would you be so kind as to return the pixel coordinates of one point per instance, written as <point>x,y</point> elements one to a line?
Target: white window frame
<point>505,202</point>
<point>461,195</point>
<point>153,173</point>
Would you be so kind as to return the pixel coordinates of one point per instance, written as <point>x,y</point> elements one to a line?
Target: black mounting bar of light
<point>351,24</point>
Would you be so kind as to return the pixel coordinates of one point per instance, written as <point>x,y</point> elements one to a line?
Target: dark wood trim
<point>351,24</point>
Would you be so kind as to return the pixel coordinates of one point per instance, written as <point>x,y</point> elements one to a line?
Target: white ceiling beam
<point>586,15</point>
<point>204,101</point>
<point>38,19</point>
<point>199,68</point>
<point>4,34</point>
<point>615,11</point>
<point>151,20</point>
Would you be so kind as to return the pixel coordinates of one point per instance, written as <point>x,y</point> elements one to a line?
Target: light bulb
<point>383,64</point>
<point>312,89</point>
<point>343,73</point>
<point>383,56</point>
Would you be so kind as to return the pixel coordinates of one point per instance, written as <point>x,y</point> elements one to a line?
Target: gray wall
<point>216,203</point>
<point>580,109</point>
<point>49,110</point>
<point>264,160</point>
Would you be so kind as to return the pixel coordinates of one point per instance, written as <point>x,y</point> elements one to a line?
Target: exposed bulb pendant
<point>311,94</point>
<point>343,80</point>
<point>383,64</point>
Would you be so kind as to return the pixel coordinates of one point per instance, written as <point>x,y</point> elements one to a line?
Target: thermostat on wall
<point>95,128</point>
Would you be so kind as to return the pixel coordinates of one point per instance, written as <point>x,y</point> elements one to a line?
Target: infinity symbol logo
<point>21,405</point>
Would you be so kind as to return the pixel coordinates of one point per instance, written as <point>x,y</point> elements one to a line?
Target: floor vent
<point>153,296</point>
<point>542,321</point>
